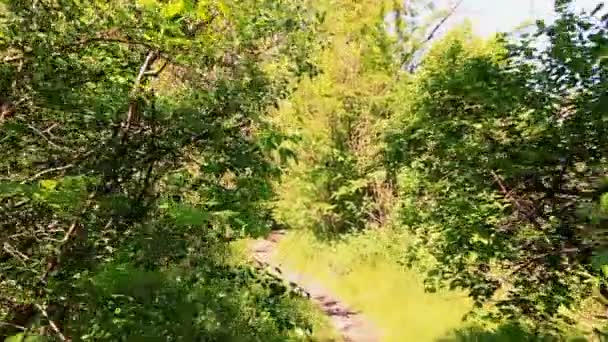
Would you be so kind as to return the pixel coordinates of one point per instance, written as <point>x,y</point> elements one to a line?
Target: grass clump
<point>361,270</point>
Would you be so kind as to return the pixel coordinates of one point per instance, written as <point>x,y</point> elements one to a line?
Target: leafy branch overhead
<point>104,104</point>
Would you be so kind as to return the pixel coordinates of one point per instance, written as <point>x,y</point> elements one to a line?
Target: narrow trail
<point>349,323</point>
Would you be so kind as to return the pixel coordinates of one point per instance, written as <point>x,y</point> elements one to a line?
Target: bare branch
<point>146,183</point>
<point>407,59</point>
<point>150,58</point>
<point>11,59</point>
<point>37,131</point>
<point>509,195</point>
<point>132,113</point>
<point>52,323</point>
<point>67,238</point>
<point>109,224</point>
<point>503,188</point>
<point>48,130</point>
<point>157,72</point>
<point>42,173</point>
<point>70,232</point>
<point>59,168</point>
<point>21,203</point>
<point>15,253</point>
<point>13,325</point>
<point>442,22</point>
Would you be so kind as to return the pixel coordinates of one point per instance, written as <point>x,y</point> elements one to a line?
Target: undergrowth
<point>322,329</point>
<point>361,270</point>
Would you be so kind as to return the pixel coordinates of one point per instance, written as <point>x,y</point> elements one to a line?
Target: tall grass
<point>361,270</point>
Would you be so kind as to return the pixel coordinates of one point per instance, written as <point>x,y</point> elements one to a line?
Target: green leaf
<point>604,203</point>
<point>185,215</point>
<point>49,184</point>
<point>175,8</point>
<point>15,338</point>
<point>21,337</point>
<point>604,270</point>
<point>599,260</point>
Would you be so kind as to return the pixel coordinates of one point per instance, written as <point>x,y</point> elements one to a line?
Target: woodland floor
<point>349,323</point>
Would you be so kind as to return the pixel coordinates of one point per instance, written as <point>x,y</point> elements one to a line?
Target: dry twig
<point>52,323</point>
<point>44,172</point>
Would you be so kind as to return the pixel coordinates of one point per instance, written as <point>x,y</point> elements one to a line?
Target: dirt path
<point>351,324</point>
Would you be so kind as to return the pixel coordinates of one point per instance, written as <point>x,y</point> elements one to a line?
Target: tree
<point>501,162</point>
<point>133,143</point>
<point>337,184</point>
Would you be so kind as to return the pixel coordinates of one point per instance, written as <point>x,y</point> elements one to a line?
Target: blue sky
<point>489,16</point>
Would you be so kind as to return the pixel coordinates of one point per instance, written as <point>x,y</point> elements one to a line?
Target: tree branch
<point>442,22</point>
<point>539,257</point>
<point>503,188</point>
<point>16,326</point>
<point>132,113</point>
<point>37,131</point>
<point>52,323</point>
<point>11,59</point>
<point>42,173</point>
<point>150,58</point>
<point>15,253</point>
<point>146,182</point>
<point>52,266</point>
<point>509,194</point>
<point>406,60</point>
<point>157,72</point>
<point>114,40</point>
<point>48,130</point>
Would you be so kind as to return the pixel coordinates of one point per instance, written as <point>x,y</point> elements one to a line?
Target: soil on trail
<point>349,323</point>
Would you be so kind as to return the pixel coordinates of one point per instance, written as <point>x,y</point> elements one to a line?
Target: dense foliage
<point>337,184</point>
<point>500,151</point>
<point>489,154</point>
<point>138,138</point>
<point>133,146</point>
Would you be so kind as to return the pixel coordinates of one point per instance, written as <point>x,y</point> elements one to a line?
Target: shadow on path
<point>349,323</point>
